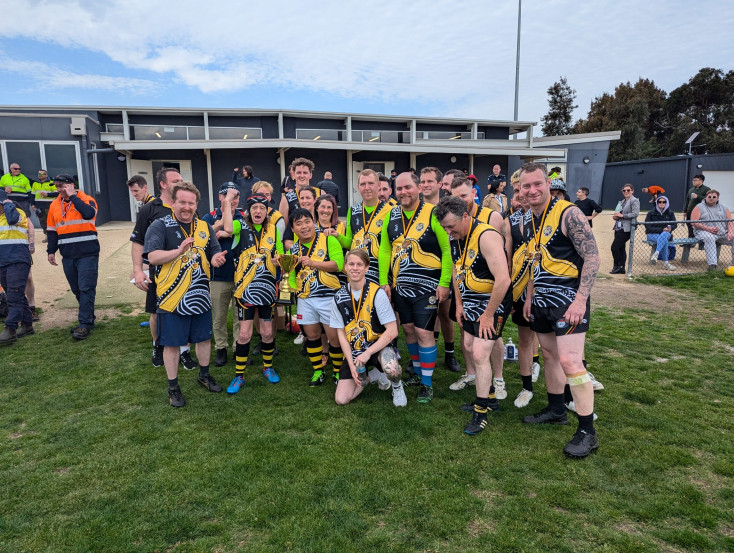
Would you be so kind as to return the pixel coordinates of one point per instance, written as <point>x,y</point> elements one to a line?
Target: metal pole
<point>517,59</point>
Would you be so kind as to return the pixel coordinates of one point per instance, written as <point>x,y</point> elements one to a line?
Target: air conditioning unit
<point>78,126</point>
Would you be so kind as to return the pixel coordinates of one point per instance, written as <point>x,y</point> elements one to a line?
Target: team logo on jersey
<point>379,223</point>
<point>548,230</point>
<point>178,234</point>
<point>320,253</point>
<point>471,254</point>
<point>270,240</point>
<point>419,227</point>
<point>202,234</point>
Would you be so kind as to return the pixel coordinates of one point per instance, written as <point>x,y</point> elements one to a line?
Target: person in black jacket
<point>660,232</point>
<point>587,206</point>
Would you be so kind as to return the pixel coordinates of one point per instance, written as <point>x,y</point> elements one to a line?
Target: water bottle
<point>364,378</point>
<point>510,351</point>
<point>145,323</point>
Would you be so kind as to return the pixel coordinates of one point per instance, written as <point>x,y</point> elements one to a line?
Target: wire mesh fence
<point>657,249</point>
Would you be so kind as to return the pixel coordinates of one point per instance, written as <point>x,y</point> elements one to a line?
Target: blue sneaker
<point>271,375</point>
<point>237,383</point>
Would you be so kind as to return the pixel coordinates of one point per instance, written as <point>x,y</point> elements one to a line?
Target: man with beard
<point>183,248</point>
<point>415,264</point>
<point>463,188</point>
<point>483,301</point>
<point>564,262</point>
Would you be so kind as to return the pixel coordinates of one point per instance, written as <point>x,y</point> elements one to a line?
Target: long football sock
<point>414,357</point>
<point>267,349</point>
<point>241,352</point>
<point>337,358</point>
<point>428,363</point>
<point>314,350</point>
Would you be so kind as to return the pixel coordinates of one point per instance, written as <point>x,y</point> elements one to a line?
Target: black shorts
<point>151,297</point>
<point>500,319</point>
<point>550,319</point>
<point>247,312</point>
<point>517,317</point>
<point>420,311</point>
<point>346,373</point>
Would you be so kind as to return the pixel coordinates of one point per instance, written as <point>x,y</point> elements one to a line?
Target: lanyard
<point>64,211</point>
<point>258,241</point>
<point>192,227</point>
<point>466,244</point>
<point>410,221</point>
<point>360,302</point>
<point>369,221</point>
<point>542,222</point>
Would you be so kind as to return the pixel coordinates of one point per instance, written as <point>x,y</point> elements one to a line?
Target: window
<point>61,158</point>
<point>55,157</point>
<point>25,154</point>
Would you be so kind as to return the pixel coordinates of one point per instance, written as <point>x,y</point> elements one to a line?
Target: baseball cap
<point>227,186</point>
<point>64,178</point>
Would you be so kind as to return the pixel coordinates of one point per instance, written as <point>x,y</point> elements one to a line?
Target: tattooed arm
<point>576,227</point>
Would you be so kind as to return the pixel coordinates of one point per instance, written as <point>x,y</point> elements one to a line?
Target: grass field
<point>94,459</point>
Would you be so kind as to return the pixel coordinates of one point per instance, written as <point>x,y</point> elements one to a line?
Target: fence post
<point>630,258</point>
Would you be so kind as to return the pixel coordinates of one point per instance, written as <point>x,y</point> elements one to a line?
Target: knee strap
<point>579,378</point>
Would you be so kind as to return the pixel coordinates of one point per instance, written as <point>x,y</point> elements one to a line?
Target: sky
<point>420,58</point>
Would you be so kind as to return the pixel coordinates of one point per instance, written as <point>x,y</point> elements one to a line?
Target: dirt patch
<point>620,293</point>
<point>59,317</point>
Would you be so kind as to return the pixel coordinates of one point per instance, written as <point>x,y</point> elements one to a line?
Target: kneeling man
<point>364,320</point>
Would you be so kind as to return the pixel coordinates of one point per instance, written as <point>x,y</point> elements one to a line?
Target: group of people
<point>67,216</point>
<point>710,224</point>
<point>422,261</point>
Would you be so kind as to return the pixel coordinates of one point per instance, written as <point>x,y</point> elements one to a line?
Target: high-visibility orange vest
<point>76,236</point>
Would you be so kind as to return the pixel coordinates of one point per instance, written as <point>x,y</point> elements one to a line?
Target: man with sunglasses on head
<point>44,193</point>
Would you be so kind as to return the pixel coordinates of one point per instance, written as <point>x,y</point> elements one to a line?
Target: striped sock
<point>337,358</point>
<point>241,352</point>
<point>313,350</point>
<point>428,363</point>
<point>414,357</point>
<point>267,349</point>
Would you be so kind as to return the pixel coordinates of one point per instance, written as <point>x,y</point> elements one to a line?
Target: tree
<point>560,109</point>
<point>638,111</point>
<point>655,124</point>
<point>704,104</point>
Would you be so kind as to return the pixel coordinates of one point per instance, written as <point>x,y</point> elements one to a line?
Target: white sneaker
<point>572,407</point>
<point>595,383</point>
<point>398,396</point>
<point>383,383</point>
<point>499,388</point>
<point>654,257</point>
<point>523,398</point>
<point>669,266</point>
<point>463,382</point>
<point>536,371</point>
<point>299,339</point>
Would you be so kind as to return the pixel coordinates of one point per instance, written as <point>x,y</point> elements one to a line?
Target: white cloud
<point>56,77</point>
<point>450,57</point>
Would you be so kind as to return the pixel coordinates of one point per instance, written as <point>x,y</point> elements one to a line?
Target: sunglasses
<point>711,197</point>
<point>626,190</point>
<point>661,203</point>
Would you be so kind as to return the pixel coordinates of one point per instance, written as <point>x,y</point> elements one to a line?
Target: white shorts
<point>312,311</point>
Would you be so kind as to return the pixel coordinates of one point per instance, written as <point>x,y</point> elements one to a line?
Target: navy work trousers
<point>13,278</point>
<point>81,274</point>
